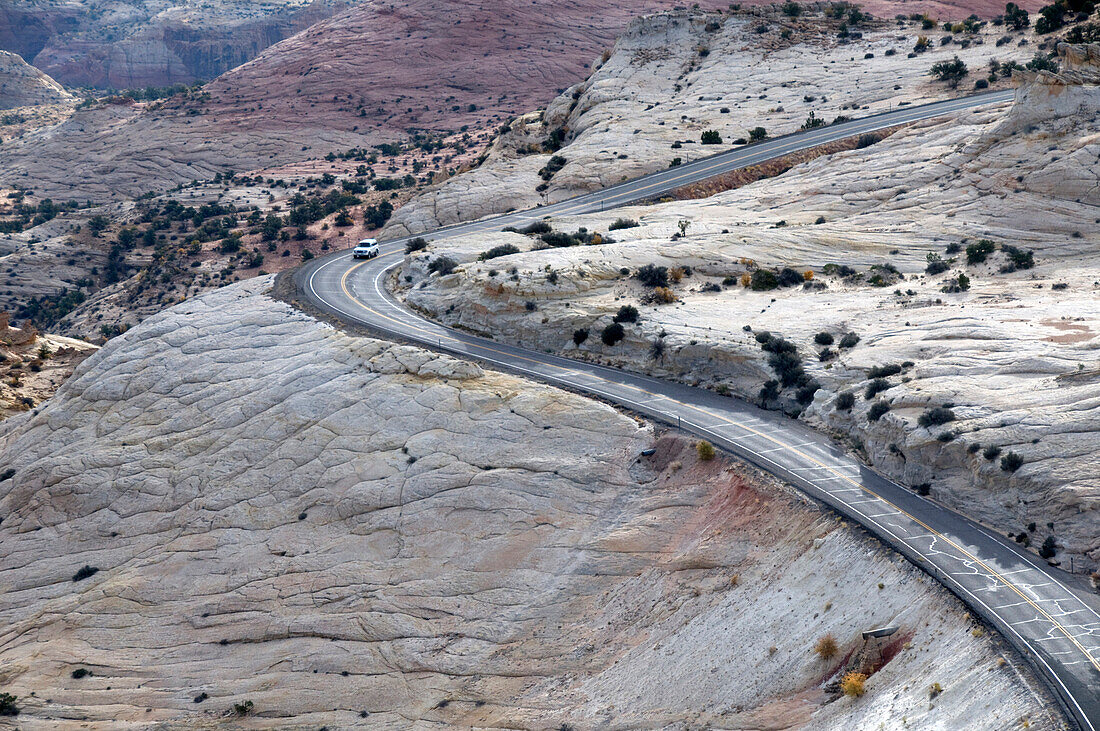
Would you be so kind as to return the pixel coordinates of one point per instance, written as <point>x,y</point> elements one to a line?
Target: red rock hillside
<point>365,76</point>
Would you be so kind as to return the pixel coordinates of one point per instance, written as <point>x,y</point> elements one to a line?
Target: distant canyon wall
<point>154,52</point>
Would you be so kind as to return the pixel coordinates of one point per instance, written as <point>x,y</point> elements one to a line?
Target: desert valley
<point>713,366</point>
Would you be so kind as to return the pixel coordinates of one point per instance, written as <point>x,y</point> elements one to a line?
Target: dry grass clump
<point>826,647</point>
<point>705,450</point>
<point>852,684</point>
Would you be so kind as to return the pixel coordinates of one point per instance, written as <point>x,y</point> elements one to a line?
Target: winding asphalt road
<point>1027,601</point>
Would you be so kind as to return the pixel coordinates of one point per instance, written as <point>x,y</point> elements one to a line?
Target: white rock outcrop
<point>673,75</point>
<point>346,532</point>
<point>22,85</point>
<point>1069,93</point>
<point>1017,354</point>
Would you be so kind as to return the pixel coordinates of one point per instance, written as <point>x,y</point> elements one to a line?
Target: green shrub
<point>813,121</point>
<point>1011,462</point>
<point>769,391</point>
<point>758,133</point>
<point>621,223</point>
<point>711,137</point>
<point>952,71</point>
<point>580,335</point>
<point>85,572</point>
<point>7,705</point>
<point>953,285</point>
<point>376,216</point>
<point>936,417</point>
<point>560,240</point>
<point>442,265</point>
<point>845,401</point>
<point>978,252</point>
<point>789,277</point>
<point>877,410</point>
<point>612,334</point>
<point>773,344</point>
<point>498,251</point>
<point>243,709</point>
<point>991,453</point>
<point>1049,548</point>
<point>653,276</point>
<point>936,265</point>
<point>849,341</point>
<point>556,163</point>
<point>417,244</point>
<point>788,366</point>
<point>1051,18</point>
<point>1017,258</point>
<point>884,371</point>
<point>823,338</point>
<point>875,387</point>
<point>763,280</point>
<point>536,229</point>
<point>805,393</point>
<point>627,313</point>
<point>1016,17</point>
<point>705,450</point>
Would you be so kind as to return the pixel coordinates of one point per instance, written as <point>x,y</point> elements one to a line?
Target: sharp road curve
<point>1028,602</point>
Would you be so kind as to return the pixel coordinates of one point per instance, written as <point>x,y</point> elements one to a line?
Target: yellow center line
<point>779,443</point>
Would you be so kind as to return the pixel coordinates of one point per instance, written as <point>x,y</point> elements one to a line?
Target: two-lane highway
<point>1024,599</point>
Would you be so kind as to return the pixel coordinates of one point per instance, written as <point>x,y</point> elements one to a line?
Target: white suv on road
<point>366,249</point>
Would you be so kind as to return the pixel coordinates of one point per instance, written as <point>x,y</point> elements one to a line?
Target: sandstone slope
<point>674,75</point>
<point>22,85</point>
<point>1014,357</point>
<point>365,76</point>
<point>344,532</point>
<point>163,42</point>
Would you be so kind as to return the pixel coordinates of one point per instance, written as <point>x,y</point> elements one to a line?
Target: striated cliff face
<point>1070,94</point>
<point>26,27</point>
<point>152,44</point>
<point>1015,355</point>
<point>346,532</point>
<point>22,85</point>
<point>167,49</point>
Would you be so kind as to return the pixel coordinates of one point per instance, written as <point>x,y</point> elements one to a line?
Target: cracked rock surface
<point>22,85</point>
<point>349,532</point>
